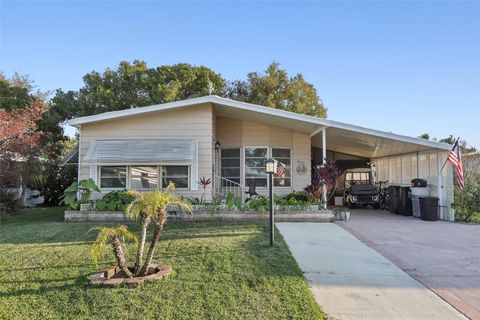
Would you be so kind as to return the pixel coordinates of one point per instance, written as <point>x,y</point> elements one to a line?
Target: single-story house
<point>228,141</point>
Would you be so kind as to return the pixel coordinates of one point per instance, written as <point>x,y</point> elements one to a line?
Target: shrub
<point>233,202</point>
<point>259,203</point>
<point>84,188</point>
<point>115,201</point>
<point>467,201</point>
<point>301,196</point>
<point>9,204</point>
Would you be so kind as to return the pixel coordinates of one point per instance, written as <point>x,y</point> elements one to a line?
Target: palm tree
<point>116,236</point>
<point>156,202</point>
<point>139,209</point>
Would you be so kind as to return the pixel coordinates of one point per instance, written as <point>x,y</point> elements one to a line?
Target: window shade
<point>141,151</point>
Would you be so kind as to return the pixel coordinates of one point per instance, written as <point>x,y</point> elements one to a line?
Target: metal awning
<point>141,151</point>
<point>367,145</point>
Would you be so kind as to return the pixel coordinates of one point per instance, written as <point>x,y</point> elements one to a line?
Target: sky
<point>408,67</point>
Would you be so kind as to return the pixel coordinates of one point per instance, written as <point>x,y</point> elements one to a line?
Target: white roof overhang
<point>341,137</point>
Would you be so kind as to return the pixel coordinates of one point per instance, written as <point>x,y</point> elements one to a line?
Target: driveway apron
<point>352,281</point>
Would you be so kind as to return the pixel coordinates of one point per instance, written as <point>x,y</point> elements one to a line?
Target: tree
<point>464,146</point>
<point>275,89</point>
<point>116,236</point>
<point>134,85</point>
<point>152,206</point>
<point>16,92</point>
<point>19,144</point>
<point>425,136</point>
<point>467,201</point>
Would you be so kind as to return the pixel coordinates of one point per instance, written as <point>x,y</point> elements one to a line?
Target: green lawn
<point>221,271</point>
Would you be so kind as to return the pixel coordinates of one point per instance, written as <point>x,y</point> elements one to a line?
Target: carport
<point>394,158</point>
<point>391,157</point>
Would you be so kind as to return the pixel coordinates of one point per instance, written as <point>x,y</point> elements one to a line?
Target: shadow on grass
<point>254,253</point>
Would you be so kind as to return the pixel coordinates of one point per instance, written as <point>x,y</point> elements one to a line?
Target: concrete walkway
<point>351,281</point>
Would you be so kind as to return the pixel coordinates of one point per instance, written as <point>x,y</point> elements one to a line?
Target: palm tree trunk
<point>162,219</point>
<point>120,256</point>
<point>143,235</point>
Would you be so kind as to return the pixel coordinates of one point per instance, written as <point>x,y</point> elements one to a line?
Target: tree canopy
<point>464,146</point>
<point>275,89</point>
<point>134,85</point>
<point>16,92</point>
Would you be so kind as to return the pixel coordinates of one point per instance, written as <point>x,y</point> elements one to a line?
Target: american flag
<point>455,158</point>
<point>280,170</point>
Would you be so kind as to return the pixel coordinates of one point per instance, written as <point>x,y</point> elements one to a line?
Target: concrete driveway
<point>444,256</point>
<point>352,281</point>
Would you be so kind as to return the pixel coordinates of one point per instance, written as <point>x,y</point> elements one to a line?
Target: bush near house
<point>115,201</point>
<point>467,201</point>
<point>300,199</point>
<point>9,204</point>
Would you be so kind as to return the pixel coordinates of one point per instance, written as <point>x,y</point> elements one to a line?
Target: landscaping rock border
<point>280,216</point>
<point>106,277</point>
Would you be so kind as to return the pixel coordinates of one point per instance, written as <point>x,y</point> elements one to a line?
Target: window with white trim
<point>113,177</point>
<point>230,159</point>
<point>282,155</point>
<point>178,175</point>
<point>255,166</point>
<point>144,178</point>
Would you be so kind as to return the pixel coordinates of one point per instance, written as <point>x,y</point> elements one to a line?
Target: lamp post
<point>271,168</point>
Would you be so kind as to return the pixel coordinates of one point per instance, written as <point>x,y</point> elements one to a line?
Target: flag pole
<point>458,139</point>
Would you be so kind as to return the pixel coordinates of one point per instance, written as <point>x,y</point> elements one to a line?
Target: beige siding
<point>301,158</point>
<point>240,133</point>
<point>189,123</point>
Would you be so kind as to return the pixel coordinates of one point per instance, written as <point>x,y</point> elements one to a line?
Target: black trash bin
<point>393,195</point>
<point>404,201</point>
<point>429,208</point>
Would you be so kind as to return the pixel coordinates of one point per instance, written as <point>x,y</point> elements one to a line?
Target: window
<point>231,164</point>
<point>282,155</point>
<point>143,178</point>
<point>113,177</point>
<point>175,174</point>
<point>356,178</point>
<point>255,167</point>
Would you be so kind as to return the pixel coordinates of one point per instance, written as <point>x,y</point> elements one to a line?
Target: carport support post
<point>324,162</point>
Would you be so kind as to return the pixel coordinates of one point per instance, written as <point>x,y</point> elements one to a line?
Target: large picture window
<point>231,164</point>
<point>113,177</point>
<point>255,167</point>
<point>175,174</point>
<point>282,155</point>
<point>143,178</point>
